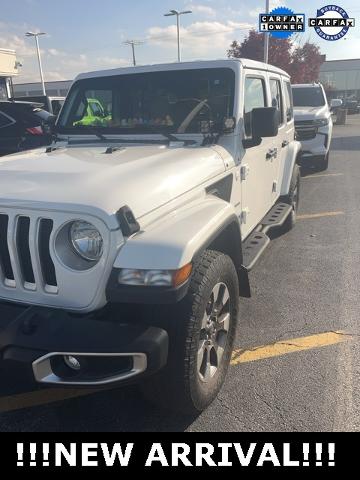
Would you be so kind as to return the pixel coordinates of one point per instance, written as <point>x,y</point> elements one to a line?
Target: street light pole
<point>178,14</point>
<point>36,36</point>
<point>132,43</point>
<point>178,36</point>
<point>266,36</point>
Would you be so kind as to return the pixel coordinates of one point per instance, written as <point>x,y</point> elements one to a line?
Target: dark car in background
<point>352,106</point>
<point>50,104</point>
<point>24,125</point>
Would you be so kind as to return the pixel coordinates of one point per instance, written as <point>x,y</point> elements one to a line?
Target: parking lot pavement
<point>296,364</point>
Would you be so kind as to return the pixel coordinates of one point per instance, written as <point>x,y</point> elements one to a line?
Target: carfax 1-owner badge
<point>332,22</point>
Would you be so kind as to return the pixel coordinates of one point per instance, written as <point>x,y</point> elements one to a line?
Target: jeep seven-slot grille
<point>25,260</point>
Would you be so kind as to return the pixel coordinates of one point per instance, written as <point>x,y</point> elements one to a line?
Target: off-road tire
<point>179,386</point>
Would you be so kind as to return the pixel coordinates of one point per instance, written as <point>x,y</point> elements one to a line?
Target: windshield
<point>308,97</point>
<point>186,101</point>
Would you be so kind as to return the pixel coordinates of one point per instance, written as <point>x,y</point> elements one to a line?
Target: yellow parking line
<point>284,347</point>
<point>323,175</point>
<point>40,397</point>
<point>319,215</point>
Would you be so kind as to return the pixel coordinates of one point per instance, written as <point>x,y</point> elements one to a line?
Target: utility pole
<point>133,43</point>
<point>266,36</point>
<point>36,35</point>
<point>178,14</point>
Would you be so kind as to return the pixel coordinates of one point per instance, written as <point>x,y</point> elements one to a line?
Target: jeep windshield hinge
<point>127,221</point>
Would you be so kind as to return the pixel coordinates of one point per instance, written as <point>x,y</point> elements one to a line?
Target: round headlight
<point>86,241</point>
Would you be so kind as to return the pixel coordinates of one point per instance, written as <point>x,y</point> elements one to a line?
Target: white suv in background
<point>313,124</point>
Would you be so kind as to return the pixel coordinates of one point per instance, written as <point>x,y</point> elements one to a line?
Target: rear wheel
<point>201,333</point>
<point>293,198</point>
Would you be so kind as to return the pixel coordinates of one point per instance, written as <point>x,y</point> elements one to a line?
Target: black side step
<point>276,217</point>
<point>257,241</point>
<point>253,247</point>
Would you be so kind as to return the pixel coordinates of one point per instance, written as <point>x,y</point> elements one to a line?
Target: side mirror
<point>336,103</point>
<point>264,123</point>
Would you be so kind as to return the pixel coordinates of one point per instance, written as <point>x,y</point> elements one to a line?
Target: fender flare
<point>181,237</point>
<point>294,150</point>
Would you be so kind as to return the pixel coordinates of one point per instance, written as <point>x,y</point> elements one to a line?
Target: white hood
<point>143,177</point>
<point>311,113</point>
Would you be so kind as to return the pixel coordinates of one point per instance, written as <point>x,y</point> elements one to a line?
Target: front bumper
<point>316,147</point>
<point>109,351</point>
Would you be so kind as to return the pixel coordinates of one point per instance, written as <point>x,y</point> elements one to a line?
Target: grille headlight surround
<point>321,122</point>
<point>86,240</point>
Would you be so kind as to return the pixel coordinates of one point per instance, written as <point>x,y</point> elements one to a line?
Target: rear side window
<point>276,98</point>
<point>288,102</point>
<point>254,97</point>
<point>5,121</point>
<point>28,115</point>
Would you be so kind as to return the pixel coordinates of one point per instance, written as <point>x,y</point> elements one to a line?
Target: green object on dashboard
<point>94,114</point>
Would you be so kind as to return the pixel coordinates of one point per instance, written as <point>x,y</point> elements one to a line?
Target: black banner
<point>178,451</point>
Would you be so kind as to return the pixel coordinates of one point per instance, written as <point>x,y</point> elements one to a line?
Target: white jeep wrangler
<point>125,245</point>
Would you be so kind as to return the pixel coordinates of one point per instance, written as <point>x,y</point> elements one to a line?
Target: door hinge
<point>275,186</point>
<point>244,171</point>
<point>244,215</point>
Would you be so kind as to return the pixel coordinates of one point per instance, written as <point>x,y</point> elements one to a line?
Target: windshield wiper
<point>170,136</point>
<point>149,129</point>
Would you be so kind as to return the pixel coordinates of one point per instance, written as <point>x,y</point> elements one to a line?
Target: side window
<point>5,121</point>
<point>3,89</point>
<point>254,97</point>
<point>288,102</point>
<point>276,98</point>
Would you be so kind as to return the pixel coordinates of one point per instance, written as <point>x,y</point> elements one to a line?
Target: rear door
<point>280,142</point>
<point>289,125</point>
<point>256,167</point>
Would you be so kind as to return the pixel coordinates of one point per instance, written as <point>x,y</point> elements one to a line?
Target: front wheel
<point>201,331</point>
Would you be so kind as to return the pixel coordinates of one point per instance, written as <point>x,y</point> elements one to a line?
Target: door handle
<point>285,143</point>
<point>272,153</point>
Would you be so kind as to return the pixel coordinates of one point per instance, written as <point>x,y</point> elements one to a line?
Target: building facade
<point>8,70</point>
<point>341,78</point>
<point>53,89</point>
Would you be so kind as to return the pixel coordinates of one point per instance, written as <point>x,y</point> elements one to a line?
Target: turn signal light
<point>155,278</point>
<point>181,275</point>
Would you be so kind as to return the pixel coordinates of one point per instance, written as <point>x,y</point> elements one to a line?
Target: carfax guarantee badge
<point>331,22</point>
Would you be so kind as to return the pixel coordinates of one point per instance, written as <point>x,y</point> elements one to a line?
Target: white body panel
<point>144,177</point>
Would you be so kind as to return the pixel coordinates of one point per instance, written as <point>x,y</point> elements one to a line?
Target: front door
<point>256,165</point>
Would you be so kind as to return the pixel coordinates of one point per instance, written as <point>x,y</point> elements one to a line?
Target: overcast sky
<point>88,34</point>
